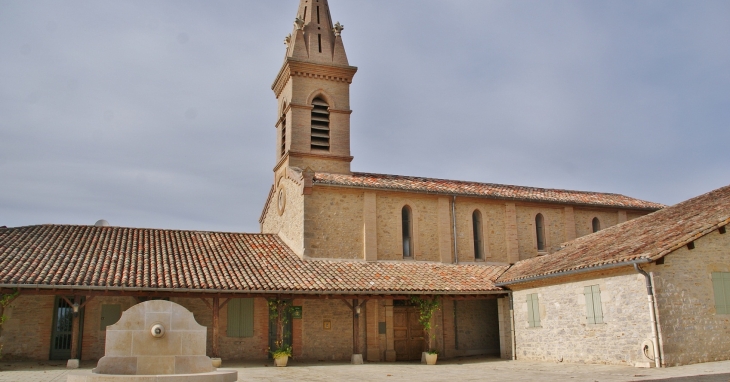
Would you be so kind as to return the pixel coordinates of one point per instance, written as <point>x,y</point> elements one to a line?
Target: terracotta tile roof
<point>490,190</point>
<point>649,237</point>
<point>116,257</point>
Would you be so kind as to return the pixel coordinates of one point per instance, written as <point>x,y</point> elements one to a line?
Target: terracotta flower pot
<point>431,359</point>
<point>281,361</point>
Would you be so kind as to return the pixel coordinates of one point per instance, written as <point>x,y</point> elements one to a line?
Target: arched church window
<point>596,225</point>
<point>407,221</point>
<point>320,125</point>
<point>540,232</point>
<point>476,222</point>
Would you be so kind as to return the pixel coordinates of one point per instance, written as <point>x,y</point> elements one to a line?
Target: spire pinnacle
<point>314,38</point>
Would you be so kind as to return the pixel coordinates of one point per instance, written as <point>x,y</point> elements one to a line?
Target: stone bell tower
<point>313,93</point>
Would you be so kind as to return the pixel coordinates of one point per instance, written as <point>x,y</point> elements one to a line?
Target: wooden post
<point>75,328</point>
<point>216,309</point>
<point>355,328</point>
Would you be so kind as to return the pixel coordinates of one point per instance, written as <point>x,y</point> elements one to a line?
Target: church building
<point>350,251</point>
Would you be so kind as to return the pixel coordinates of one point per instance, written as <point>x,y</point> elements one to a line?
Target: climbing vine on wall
<point>426,307</point>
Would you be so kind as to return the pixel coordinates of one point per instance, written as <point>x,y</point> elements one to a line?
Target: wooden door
<point>407,334</point>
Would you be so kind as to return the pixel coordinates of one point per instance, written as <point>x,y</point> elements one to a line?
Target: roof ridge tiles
<point>472,188</point>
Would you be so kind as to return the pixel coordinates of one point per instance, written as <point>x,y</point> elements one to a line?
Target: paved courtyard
<point>459,370</point>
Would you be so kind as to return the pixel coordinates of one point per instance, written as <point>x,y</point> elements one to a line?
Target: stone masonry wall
<point>493,215</point>
<point>691,330</point>
<point>584,220</point>
<point>564,333</point>
<point>526,232</point>
<point>425,226</point>
<point>289,225</point>
<point>333,223</point>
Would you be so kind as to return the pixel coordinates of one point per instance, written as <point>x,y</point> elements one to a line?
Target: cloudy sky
<point>160,113</point>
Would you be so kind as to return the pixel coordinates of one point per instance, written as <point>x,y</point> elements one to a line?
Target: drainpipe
<point>652,315</point>
<point>512,325</point>
<point>453,220</point>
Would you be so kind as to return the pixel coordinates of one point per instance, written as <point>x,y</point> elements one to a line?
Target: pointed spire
<point>314,38</point>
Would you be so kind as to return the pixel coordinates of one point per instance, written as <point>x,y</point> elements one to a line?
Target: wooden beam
<point>207,303</point>
<point>202,294</point>
<point>86,302</point>
<point>224,304</point>
<point>67,300</point>
<point>348,305</point>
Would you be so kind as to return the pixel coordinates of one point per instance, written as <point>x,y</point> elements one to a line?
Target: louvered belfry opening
<point>320,125</point>
<point>283,135</point>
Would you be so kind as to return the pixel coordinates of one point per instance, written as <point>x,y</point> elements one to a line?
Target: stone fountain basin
<point>220,375</point>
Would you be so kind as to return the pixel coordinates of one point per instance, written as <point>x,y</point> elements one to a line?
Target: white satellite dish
<point>102,223</point>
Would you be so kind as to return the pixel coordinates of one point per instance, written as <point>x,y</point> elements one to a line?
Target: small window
<point>110,314</point>
<point>407,220</point>
<point>240,317</point>
<point>594,311</point>
<point>320,125</point>
<point>540,232</point>
<point>476,220</point>
<point>596,225</point>
<point>533,310</point>
<point>721,286</point>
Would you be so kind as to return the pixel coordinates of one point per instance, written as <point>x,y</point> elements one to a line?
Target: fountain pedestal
<point>155,341</point>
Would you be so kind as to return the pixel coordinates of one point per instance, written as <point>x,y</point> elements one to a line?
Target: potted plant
<point>431,356</point>
<point>279,311</point>
<point>281,355</point>
<point>426,307</point>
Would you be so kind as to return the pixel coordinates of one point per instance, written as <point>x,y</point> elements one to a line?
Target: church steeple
<point>313,91</point>
<point>315,38</point>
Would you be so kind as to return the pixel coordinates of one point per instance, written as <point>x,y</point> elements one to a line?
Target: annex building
<point>520,272</point>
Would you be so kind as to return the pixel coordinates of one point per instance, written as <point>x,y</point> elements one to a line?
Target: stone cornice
<point>294,67</point>
<point>284,158</point>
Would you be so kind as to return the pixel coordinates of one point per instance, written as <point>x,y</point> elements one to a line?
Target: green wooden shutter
<point>597,306</point>
<point>234,318</point>
<point>721,286</point>
<point>247,317</point>
<point>530,313</point>
<point>590,316</point>
<point>110,314</point>
<point>533,310</point>
<point>240,317</point>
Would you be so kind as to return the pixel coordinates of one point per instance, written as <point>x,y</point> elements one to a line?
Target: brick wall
<point>319,344</point>
<point>26,334</point>
<point>94,339</point>
<point>477,327</point>
<point>565,334</point>
<point>232,348</point>
<point>692,332</point>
